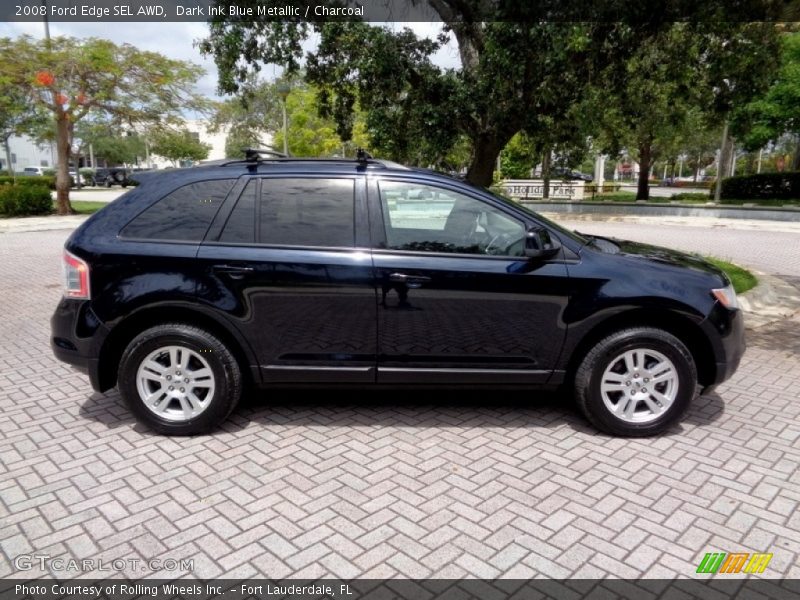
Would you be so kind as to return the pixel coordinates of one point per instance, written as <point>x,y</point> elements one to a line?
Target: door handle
<point>412,281</point>
<point>233,271</point>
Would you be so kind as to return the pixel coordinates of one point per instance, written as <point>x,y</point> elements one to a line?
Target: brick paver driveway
<point>488,484</point>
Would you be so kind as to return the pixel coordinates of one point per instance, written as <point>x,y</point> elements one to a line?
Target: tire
<point>611,386</point>
<point>215,379</point>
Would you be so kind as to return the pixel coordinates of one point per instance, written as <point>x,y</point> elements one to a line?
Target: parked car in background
<point>34,171</point>
<point>201,283</point>
<point>112,176</point>
<point>76,178</point>
<point>564,173</point>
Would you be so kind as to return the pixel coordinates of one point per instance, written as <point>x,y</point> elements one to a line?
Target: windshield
<point>568,232</point>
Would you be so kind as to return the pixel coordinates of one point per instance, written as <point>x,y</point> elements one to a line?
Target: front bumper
<point>729,343</point>
<point>76,337</point>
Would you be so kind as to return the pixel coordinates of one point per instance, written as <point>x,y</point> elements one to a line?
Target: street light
<point>283,90</point>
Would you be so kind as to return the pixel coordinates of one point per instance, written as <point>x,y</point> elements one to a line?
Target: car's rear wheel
<point>179,379</point>
<point>636,382</point>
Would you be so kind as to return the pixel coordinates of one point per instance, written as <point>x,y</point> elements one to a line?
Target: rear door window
<point>307,212</point>
<point>182,215</point>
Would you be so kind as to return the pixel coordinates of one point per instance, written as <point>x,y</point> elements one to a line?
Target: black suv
<point>201,281</point>
<point>112,176</point>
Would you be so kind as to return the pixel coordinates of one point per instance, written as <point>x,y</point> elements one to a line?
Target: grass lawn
<point>741,278</point>
<point>84,207</point>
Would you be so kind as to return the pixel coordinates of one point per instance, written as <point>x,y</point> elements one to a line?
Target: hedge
<point>29,180</point>
<point>762,186</point>
<point>19,200</point>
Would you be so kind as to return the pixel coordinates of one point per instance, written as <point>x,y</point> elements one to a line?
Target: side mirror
<point>539,244</point>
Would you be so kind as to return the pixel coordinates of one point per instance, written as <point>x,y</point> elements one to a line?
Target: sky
<point>176,41</point>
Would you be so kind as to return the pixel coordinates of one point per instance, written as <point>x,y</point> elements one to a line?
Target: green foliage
<point>311,134</point>
<point>29,181</point>
<point>608,187</point>
<point>514,76</point>
<point>118,149</point>
<point>20,200</point>
<point>178,145</point>
<point>258,109</point>
<point>690,196</point>
<point>520,155</point>
<point>87,207</point>
<point>742,279</point>
<point>615,197</point>
<point>255,110</point>
<point>17,116</point>
<point>778,186</point>
<point>679,81</point>
<point>778,111</point>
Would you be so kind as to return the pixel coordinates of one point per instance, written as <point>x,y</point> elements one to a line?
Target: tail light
<point>76,277</point>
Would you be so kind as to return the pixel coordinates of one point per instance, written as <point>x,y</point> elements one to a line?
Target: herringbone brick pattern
<point>369,484</point>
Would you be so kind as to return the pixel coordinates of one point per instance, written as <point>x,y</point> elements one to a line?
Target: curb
<point>30,224</point>
<point>772,300</point>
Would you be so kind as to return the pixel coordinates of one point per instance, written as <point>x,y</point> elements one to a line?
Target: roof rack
<point>254,157</point>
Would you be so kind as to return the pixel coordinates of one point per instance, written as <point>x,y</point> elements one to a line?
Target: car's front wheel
<point>179,379</point>
<point>636,382</point>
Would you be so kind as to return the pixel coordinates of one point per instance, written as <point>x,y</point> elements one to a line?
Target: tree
<point>257,108</point>
<point>310,134</point>
<point>511,74</point>
<point>178,145</point>
<point>119,149</point>
<point>17,117</point>
<point>680,71</point>
<point>778,111</point>
<point>70,78</point>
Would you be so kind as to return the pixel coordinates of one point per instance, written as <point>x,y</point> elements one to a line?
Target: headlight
<point>726,297</point>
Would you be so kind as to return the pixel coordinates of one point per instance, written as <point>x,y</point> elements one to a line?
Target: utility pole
<point>758,167</point>
<point>283,90</point>
<point>47,43</point>
<point>46,23</point>
<point>718,187</point>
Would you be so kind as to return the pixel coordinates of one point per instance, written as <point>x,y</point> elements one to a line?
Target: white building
<point>199,128</point>
<point>26,153</point>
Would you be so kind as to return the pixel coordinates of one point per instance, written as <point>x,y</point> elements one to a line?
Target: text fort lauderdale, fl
<point>286,10</point>
<point>141,589</point>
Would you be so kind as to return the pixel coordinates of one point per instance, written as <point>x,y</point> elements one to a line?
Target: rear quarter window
<point>182,215</point>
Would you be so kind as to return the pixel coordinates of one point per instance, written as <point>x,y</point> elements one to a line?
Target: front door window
<point>424,218</point>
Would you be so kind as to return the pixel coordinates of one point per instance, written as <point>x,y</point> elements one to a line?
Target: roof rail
<point>254,157</point>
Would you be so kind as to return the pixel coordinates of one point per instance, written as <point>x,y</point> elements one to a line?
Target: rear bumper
<point>76,336</point>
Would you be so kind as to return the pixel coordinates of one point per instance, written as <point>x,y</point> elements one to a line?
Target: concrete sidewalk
<point>54,222</point>
<point>573,220</point>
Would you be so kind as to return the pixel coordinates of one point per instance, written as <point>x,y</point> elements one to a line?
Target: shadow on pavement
<point>441,407</point>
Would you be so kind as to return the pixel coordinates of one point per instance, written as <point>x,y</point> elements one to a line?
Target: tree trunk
<point>63,207</point>
<point>7,147</point>
<point>483,160</point>
<point>546,158</point>
<point>796,157</point>
<point>645,159</point>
